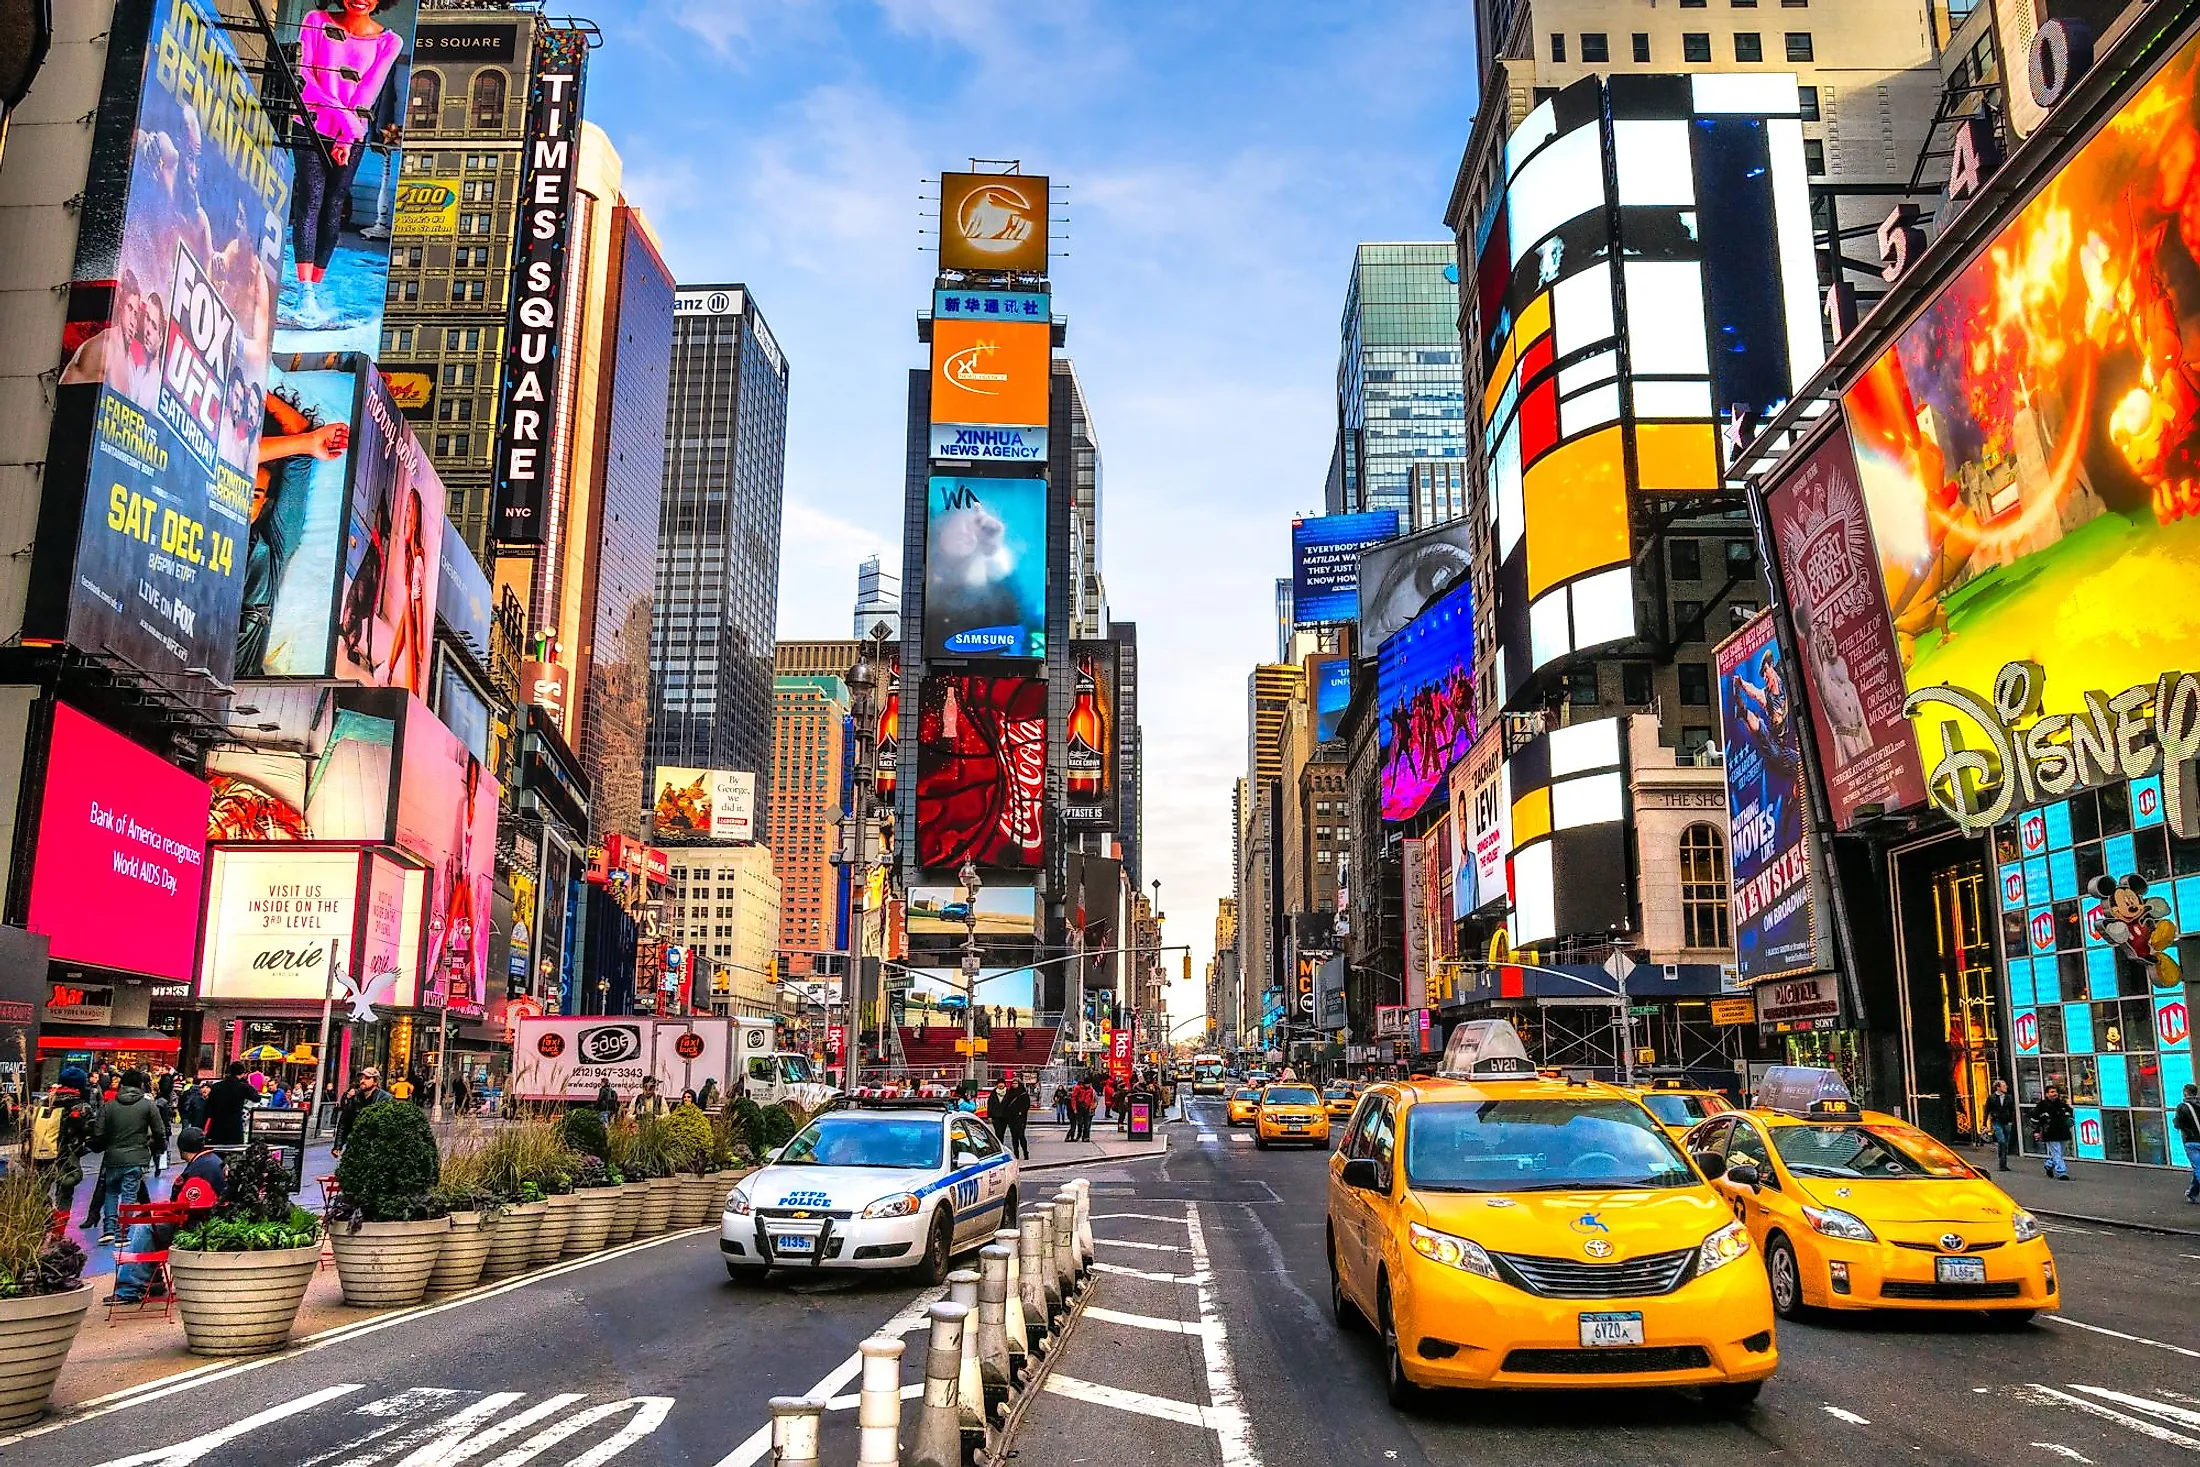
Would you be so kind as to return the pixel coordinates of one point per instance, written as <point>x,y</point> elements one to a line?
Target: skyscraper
<point>718,536</point>
<point>878,599</point>
<point>1075,463</point>
<point>1399,397</point>
<point>808,758</point>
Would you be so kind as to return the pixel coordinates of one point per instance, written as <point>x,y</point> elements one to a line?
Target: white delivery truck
<point>569,1059</point>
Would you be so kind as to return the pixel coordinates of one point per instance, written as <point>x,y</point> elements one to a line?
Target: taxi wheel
<point>1008,1210</point>
<point>2011,1318</point>
<point>1403,1393</point>
<point>939,1249</point>
<point>1260,1142</point>
<point>1341,1309</point>
<point>746,1275</point>
<point>1735,1398</point>
<point>1786,1277</point>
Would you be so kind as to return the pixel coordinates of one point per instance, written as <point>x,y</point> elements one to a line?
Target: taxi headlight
<point>2027,1226</point>
<point>1721,1248</point>
<point>1835,1223</point>
<point>1452,1252</point>
<point>901,1204</point>
<point>737,1204</point>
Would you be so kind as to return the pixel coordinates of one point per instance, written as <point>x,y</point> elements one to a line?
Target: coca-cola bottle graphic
<point>1088,736</point>
<point>889,736</point>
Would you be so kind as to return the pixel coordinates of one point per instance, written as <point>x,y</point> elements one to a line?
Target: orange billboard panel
<point>993,221</point>
<point>990,373</point>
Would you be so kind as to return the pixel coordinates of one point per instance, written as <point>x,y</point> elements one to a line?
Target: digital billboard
<point>1325,563</point>
<point>1768,840</point>
<point>1332,682</point>
<point>447,817</point>
<point>286,620</point>
<point>385,622</point>
<point>987,439</point>
<point>981,772</point>
<point>985,569</point>
<point>339,790</point>
<point>991,374</point>
<point>705,804</point>
<point>1090,751</point>
<point>1401,576</point>
<point>994,222</point>
<point>1424,701</point>
<point>2027,445</point>
<point>353,65</point>
<point>120,862</point>
<point>1815,519</point>
<point>164,368</point>
<point>1567,865</point>
<point>427,208</point>
<point>1000,911</point>
<point>278,924</point>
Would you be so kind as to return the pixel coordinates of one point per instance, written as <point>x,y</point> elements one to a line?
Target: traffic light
<point>1187,965</point>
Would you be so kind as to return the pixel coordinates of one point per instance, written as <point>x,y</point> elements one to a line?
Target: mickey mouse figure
<point>2138,925</point>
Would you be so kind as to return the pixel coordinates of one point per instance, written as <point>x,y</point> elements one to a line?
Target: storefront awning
<point>63,1038</point>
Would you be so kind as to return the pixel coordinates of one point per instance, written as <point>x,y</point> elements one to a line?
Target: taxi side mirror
<point>1365,1173</point>
<point>1711,1163</point>
<point>1742,1174</point>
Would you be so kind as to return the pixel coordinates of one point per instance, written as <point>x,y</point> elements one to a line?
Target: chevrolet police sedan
<point>900,1186</point>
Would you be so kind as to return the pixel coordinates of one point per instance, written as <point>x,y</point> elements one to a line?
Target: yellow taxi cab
<point>1338,1100</point>
<point>1290,1113</point>
<point>1681,1107</point>
<point>1239,1108</point>
<point>1508,1229</point>
<point>1853,1209</point>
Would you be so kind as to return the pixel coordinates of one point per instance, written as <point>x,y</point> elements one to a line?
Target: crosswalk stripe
<point>2144,1428</point>
<point>1149,1247</point>
<point>1119,1399</point>
<point>1154,1278</point>
<point>1147,1321</point>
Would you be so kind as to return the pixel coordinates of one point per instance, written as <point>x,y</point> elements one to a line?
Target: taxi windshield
<point>861,1140</point>
<point>1866,1153</point>
<point>1539,1146</point>
<point>1288,1095</point>
<point>1337,1092</point>
<point>1674,1109</point>
<point>1246,1095</point>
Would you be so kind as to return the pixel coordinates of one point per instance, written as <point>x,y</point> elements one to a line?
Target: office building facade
<point>878,600</point>
<point>1399,398</point>
<point>809,760</point>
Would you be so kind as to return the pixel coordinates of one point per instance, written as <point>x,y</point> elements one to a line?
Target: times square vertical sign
<point>533,359</point>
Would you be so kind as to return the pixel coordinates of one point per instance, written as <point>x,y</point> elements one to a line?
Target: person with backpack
<point>61,1132</point>
<point>2188,1131</point>
<point>131,1133</point>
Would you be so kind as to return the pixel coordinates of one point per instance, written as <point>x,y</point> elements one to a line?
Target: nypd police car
<point>906,1184</point>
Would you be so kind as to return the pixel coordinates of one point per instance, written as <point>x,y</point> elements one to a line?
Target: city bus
<point>1208,1077</point>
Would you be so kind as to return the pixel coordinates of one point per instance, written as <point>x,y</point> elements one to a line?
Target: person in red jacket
<point>198,1186</point>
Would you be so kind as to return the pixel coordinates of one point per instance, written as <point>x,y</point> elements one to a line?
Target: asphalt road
<point>1208,1339</point>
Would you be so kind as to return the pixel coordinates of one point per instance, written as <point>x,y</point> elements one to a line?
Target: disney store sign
<point>2029,757</point>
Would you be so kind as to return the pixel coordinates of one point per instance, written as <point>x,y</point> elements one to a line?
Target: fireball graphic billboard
<point>981,772</point>
<point>993,221</point>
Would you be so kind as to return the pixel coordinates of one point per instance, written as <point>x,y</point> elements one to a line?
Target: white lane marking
<point>2066,1452</point>
<point>435,1441</point>
<point>850,1402</point>
<point>2144,1428</point>
<point>2117,1334</point>
<point>1208,1138</point>
<point>190,1451</point>
<point>1233,1436</point>
<point>758,1444</point>
<point>169,1385</point>
<point>1849,1416</point>
<point>1116,1398</point>
<point>2055,1227</point>
<point>397,1411</point>
<point>1241,1138</point>
<point>1159,1217</point>
<point>1148,1321</point>
<point>1155,1278</point>
<point>2176,1415</point>
<point>1149,1247</point>
<point>649,1414</point>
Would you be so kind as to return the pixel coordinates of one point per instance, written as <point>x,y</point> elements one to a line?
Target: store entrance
<point>1951,987</point>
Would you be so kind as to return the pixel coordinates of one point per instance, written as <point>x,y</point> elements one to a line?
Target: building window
<point>1594,47</point>
<point>1635,685</point>
<point>1748,46</point>
<point>1695,45</point>
<point>1741,557</point>
<point>1743,4</point>
<point>1687,560</point>
<point>1558,46</point>
<point>1581,684</point>
<point>1642,47</point>
<point>424,105</point>
<point>1687,612</point>
<point>1695,678</point>
<point>1814,157</point>
<point>1694,4</point>
<point>1809,96</point>
<point>1799,47</point>
<point>1703,888</point>
<point>489,99</point>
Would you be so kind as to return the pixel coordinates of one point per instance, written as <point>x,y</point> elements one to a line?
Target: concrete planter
<point>465,1249</point>
<point>35,1335</point>
<point>657,1204</point>
<point>590,1227</point>
<point>513,1239</point>
<point>387,1265</point>
<point>626,1217</point>
<point>697,1192</point>
<point>241,1303</point>
<point>550,1237</point>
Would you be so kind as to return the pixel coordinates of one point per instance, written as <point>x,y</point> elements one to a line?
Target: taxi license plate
<point>1610,1329</point>
<point>793,1243</point>
<point>1959,1270</point>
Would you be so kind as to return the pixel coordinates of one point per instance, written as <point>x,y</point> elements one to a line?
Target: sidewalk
<point>1049,1150</point>
<point>2109,1194</point>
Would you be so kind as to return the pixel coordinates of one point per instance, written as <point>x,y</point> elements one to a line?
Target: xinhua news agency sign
<point>525,446</point>
<point>988,445</point>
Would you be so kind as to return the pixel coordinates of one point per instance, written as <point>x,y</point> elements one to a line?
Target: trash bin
<point>1141,1121</point>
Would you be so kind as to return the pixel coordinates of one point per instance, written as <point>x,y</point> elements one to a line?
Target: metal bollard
<point>939,1421</point>
<point>795,1424</point>
<point>994,1365</point>
<point>1065,1244</point>
<point>1037,1277</point>
<point>878,1403</point>
<point>1085,1251</point>
<point>1019,1337</point>
<point>962,1288</point>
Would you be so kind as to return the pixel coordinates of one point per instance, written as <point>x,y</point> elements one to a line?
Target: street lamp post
<point>971,886</point>
<point>861,826</point>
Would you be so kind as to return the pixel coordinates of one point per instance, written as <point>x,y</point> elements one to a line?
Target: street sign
<point>1619,965</point>
<point>1643,1010</point>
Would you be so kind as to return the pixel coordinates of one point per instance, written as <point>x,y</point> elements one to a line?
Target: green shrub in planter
<point>390,1167</point>
<point>748,1125</point>
<point>779,1127</point>
<point>583,1131</point>
<point>687,1139</point>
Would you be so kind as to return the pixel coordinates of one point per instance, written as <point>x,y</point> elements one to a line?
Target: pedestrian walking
<point>2188,1131</point>
<point>191,1109</point>
<point>226,1104</point>
<point>607,1102</point>
<point>131,1133</point>
<point>2001,1119</point>
<point>368,1091</point>
<point>2051,1122</point>
<point>61,1129</point>
<point>198,1186</point>
<point>649,1102</point>
<point>1061,1105</point>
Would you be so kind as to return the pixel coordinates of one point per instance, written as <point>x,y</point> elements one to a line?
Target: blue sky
<point>1220,161</point>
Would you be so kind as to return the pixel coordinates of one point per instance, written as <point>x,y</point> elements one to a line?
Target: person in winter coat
<point>1082,1102</point>
<point>191,1107</point>
<point>62,1127</point>
<point>607,1102</point>
<point>2051,1122</point>
<point>649,1102</point>
<point>226,1104</point>
<point>1014,1110</point>
<point>131,1134</point>
<point>198,1186</point>
<point>2187,1121</point>
<point>2001,1119</point>
<point>367,1092</point>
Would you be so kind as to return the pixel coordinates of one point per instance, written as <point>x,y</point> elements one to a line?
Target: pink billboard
<point>447,816</point>
<point>1842,631</point>
<point>121,856</point>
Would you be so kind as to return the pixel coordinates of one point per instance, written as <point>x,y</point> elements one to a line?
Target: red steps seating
<point>1019,1049</point>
